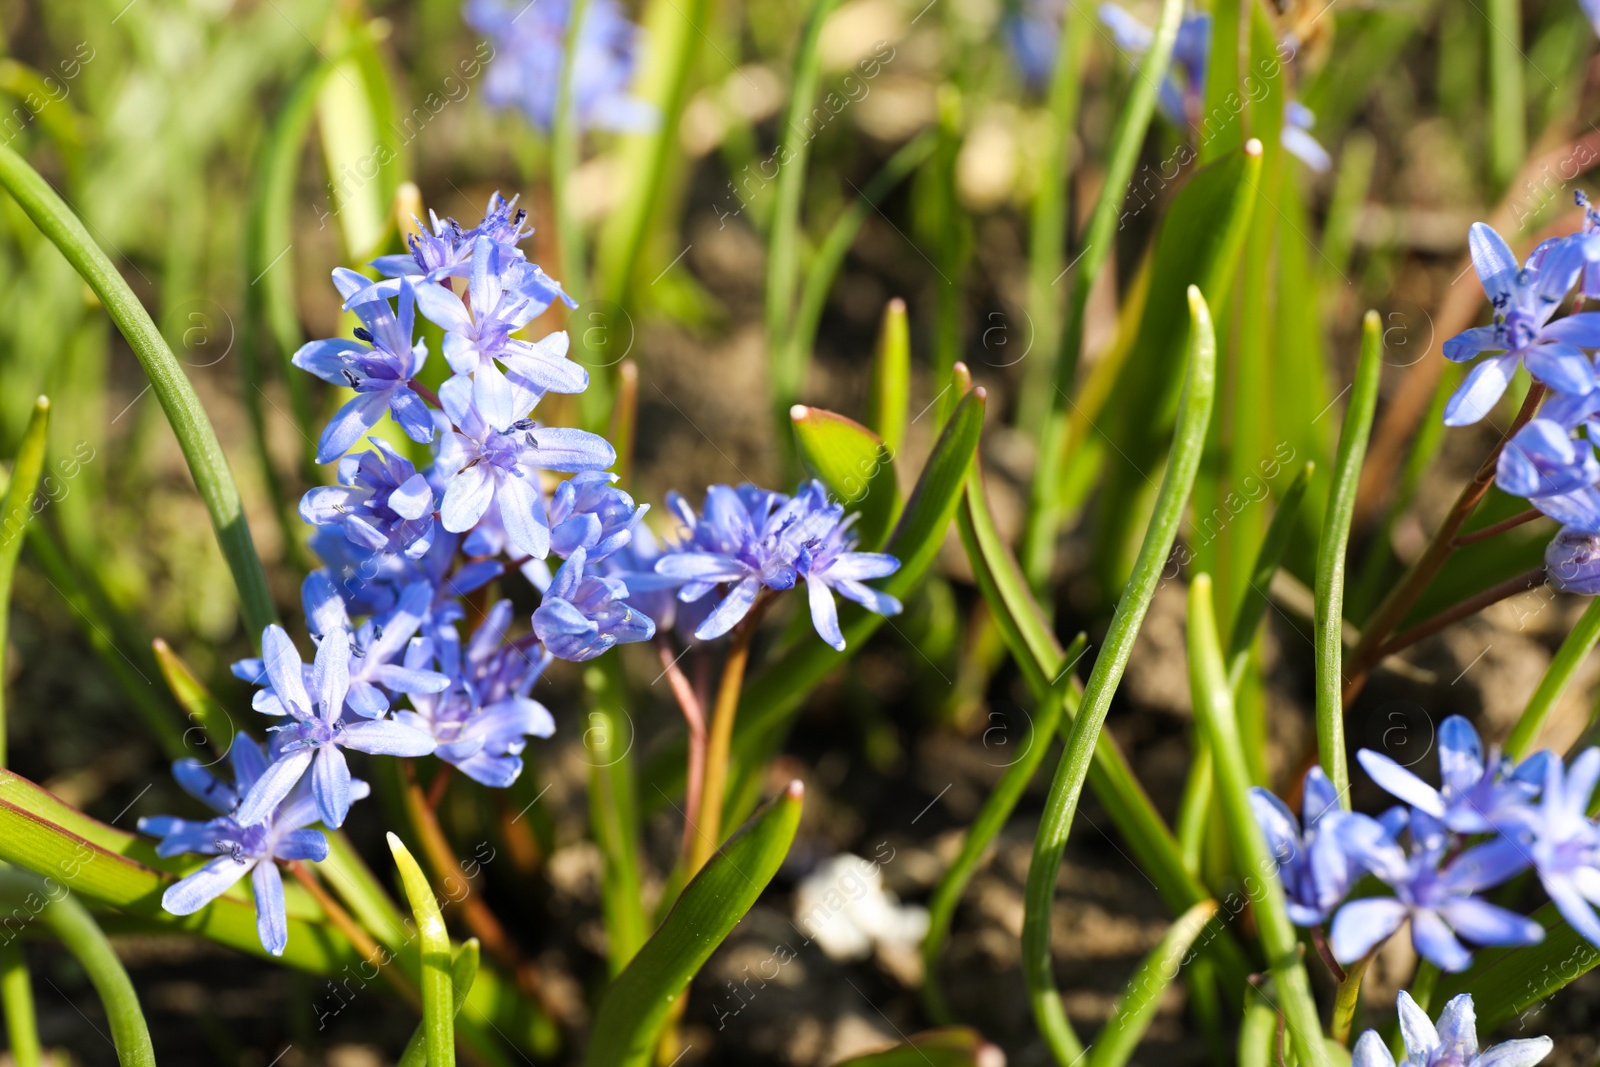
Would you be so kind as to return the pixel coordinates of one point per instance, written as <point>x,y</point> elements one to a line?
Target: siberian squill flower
<point>493,459</point>
<point>583,615</point>
<point>444,249</point>
<point>743,540</point>
<point>1437,897</point>
<point>530,42</point>
<point>1552,466</point>
<point>1591,8</point>
<point>375,646</point>
<point>588,511</point>
<point>379,365</point>
<point>1572,561</point>
<point>1523,300</point>
<point>1453,1043</point>
<point>239,849</point>
<point>381,502</point>
<point>1315,869</point>
<point>482,721</point>
<point>829,564</point>
<point>654,594</point>
<point>317,732</point>
<point>749,539</point>
<point>1564,844</point>
<point>370,583</point>
<point>506,292</point>
<point>1476,794</point>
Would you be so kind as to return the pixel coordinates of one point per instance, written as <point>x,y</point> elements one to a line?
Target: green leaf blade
<point>639,1001</point>
<point>438,997</point>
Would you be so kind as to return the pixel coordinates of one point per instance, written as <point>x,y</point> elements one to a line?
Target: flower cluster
<point>1183,90</point>
<point>530,53</point>
<point>1550,461</point>
<point>1489,820</point>
<point>403,546</point>
<point>1452,1043</point>
<point>394,673</point>
<point>749,540</point>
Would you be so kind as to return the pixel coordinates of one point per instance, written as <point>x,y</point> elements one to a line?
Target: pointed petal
<point>272,924</point>
<point>193,892</point>
<point>273,785</point>
<point>1399,782</point>
<point>1482,389</point>
<point>1362,925</point>
<point>330,782</point>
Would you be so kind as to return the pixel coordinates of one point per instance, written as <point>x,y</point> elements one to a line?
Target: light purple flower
<point>583,615</point>
<point>493,459</point>
<point>378,365</point>
<point>830,565</point>
<point>482,721</point>
<point>1437,897</point>
<point>381,503</point>
<point>1315,869</point>
<point>1564,843</point>
<point>1523,300</point>
<point>313,740</point>
<point>588,511</point>
<point>530,42</point>
<point>1477,794</point>
<point>1453,1043</point>
<point>239,849</point>
<point>506,293</point>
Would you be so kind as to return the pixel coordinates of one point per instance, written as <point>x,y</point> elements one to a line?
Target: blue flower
<point>1181,101</point>
<point>1555,469</point>
<point>239,849</point>
<point>1572,561</point>
<point>1033,33</point>
<point>378,365</point>
<point>1477,795</point>
<point>654,594</point>
<point>751,539</point>
<point>445,250</point>
<point>506,293</point>
<point>369,583</point>
<point>530,45</point>
<point>374,646</point>
<point>588,511</point>
<point>381,503</point>
<point>829,564</point>
<point>318,730</point>
<point>481,722</point>
<point>1453,1043</point>
<point>743,541</point>
<point>1315,869</point>
<point>1523,300</point>
<point>583,615</point>
<point>1564,842</point>
<point>494,456</point>
<point>1437,897</point>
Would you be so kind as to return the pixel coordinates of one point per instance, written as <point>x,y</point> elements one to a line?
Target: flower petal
<point>272,924</point>
<point>1399,782</point>
<point>1362,925</point>
<point>273,785</point>
<point>1485,384</point>
<point>193,892</point>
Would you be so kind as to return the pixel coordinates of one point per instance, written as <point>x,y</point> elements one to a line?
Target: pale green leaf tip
<point>796,790</point>
<point>799,413</point>
<point>42,403</point>
<point>1371,321</point>
<point>1252,147</point>
<point>988,1055</point>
